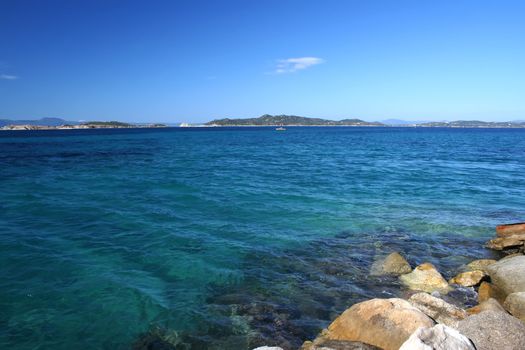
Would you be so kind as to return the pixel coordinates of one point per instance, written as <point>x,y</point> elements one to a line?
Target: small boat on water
<point>280,128</point>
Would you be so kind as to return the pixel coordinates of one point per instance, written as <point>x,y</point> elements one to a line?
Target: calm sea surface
<point>228,238</point>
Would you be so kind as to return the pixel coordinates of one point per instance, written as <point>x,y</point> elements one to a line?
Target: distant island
<point>290,120</point>
<point>293,120</point>
<point>61,124</point>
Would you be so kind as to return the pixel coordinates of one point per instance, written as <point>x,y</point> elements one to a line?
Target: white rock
<point>439,337</point>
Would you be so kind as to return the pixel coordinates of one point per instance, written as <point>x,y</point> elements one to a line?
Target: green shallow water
<point>228,238</point>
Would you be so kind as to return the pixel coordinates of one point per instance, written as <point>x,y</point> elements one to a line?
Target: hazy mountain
<point>403,122</point>
<point>42,121</point>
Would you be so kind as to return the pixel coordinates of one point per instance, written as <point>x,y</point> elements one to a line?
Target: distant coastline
<point>60,124</point>
<point>262,121</point>
<point>292,120</point>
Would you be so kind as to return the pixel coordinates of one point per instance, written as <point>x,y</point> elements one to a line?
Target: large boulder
<point>439,337</point>
<point>393,264</point>
<point>385,323</point>
<point>490,304</point>
<point>426,278</point>
<point>480,264</point>
<point>490,330</point>
<point>515,304</point>
<point>437,309</point>
<point>509,274</point>
<point>468,279</point>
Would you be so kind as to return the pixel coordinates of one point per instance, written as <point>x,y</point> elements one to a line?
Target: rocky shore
<point>429,316</point>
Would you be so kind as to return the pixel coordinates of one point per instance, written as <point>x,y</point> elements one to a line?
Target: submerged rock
<point>439,337</point>
<point>490,304</point>
<point>515,304</point>
<point>491,330</point>
<point>337,345</point>
<point>437,309</point>
<point>468,279</point>
<point>393,264</point>
<point>385,323</point>
<point>158,340</point>
<point>509,274</point>
<point>426,278</point>
<point>480,264</point>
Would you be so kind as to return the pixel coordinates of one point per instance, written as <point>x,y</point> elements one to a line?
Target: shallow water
<point>228,238</point>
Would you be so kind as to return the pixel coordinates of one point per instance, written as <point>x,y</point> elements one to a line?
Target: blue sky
<point>198,60</point>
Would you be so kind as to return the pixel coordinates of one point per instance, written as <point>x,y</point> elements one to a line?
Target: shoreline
<point>39,127</point>
<point>426,317</point>
<point>482,307</point>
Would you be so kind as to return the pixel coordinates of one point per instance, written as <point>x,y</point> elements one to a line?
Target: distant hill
<point>42,121</point>
<point>290,120</point>
<point>473,124</point>
<point>402,122</point>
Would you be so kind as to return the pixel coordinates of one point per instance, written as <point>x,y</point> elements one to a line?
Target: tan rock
<point>480,264</point>
<point>487,290</point>
<point>393,264</point>
<point>501,243</point>
<point>425,278</point>
<point>510,229</point>
<point>385,323</point>
<point>488,305</point>
<point>437,309</point>
<point>468,279</point>
<point>515,304</point>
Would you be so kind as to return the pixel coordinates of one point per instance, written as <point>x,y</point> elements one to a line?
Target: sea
<point>232,238</point>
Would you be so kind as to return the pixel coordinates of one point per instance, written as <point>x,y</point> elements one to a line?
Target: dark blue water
<point>220,238</point>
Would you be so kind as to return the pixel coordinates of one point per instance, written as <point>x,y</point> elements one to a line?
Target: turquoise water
<point>228,238</point>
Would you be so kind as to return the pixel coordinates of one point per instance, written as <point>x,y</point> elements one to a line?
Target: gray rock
<point>437,309</point>
<point>515,304</point>
<point>393,264</point>
<point>490,330</point>
<point>439,337</point>
<point>509,274</point>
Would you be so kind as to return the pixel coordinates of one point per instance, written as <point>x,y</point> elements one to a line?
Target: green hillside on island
<point>290,120</point>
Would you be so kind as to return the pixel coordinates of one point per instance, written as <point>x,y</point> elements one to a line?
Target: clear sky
<point>197,60</point>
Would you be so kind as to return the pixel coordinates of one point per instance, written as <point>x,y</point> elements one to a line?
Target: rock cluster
<point>428,322</point>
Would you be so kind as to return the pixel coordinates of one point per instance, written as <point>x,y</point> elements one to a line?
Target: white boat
<point>281,128</point>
